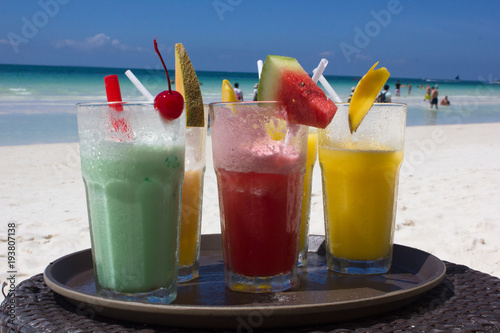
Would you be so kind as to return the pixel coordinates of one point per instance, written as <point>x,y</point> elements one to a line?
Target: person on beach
<point>385,95</point>
<point>350,96</point>
<point>427,93</point>
<point>445,101</point>
<point>409,88</point>
<point>398,87</point>
<point>238,92</point>
<point>434,98</point>
<point>255,91</point>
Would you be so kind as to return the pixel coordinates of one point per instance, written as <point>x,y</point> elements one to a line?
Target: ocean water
<point>37,103</point>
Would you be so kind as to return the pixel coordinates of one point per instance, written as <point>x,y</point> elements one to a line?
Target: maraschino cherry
<point>169,103</point>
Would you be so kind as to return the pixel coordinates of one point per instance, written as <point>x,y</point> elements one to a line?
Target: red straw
<point>118,123</point>
<point>113,91</point>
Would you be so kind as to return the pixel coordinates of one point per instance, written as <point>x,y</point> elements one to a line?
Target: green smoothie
<point>134,194</point>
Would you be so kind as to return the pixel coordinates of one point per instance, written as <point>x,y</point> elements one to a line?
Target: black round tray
<point>321,296</point>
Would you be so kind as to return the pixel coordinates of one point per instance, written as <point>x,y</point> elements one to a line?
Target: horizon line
<point>357,77</point>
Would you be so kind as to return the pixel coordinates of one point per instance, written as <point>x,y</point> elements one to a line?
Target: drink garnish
<point>364,96</point>
<point>283,79</point>
<point>187,84</point>
<point>169,103</point>
<point>228,94</point>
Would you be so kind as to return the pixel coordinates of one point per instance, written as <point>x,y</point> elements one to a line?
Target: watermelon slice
<point>283,79</point>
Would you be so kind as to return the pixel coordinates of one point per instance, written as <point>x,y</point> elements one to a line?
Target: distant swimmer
<point>238,92</point>
<point>427,93</point>
<point>434,97</point>
<point>385,95</point>
<point>445,101</point>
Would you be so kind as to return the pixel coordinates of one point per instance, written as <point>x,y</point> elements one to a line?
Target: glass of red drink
<point>259,160</point>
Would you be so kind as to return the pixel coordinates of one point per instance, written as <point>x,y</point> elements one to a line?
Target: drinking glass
<point>192,203</point>
<point>312,154</point>
<point>360,174</point>
<point>132,166</point>
<point>259,162</point>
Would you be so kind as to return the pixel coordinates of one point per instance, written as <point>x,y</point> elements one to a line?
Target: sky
<point>413,39</point>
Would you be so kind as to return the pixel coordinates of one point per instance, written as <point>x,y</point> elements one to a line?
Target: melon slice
<point>228,94</point>
<point>283,79</point>
<point>366,91</point>
<point>186,82</point>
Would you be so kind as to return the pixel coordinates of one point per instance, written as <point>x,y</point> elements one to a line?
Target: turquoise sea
<point>37,103</point>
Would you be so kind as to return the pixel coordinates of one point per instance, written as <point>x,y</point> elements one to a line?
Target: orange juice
<point>190,215</point>
<point>312,153</point>
<point>359,193</point>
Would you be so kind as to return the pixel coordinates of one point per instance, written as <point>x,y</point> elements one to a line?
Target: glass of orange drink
<point>192,202</point>
<point>360,173</point>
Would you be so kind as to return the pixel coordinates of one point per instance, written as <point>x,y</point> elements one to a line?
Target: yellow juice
<point>190,214</point>
<point>312,153</point>
<point>360,191</point>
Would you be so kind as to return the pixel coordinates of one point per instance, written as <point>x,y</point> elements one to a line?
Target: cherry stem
<point>163,63</point>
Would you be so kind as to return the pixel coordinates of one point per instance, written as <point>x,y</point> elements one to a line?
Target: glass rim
<point>378,104</point>
<point>134,103</point>
<point>247,103</point>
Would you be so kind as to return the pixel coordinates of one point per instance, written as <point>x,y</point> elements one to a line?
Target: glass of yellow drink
<point>192,202</point>
<point>360,174</point>
<point>312,153</point>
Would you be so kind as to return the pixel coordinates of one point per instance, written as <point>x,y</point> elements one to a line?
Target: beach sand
<point>448,199</point>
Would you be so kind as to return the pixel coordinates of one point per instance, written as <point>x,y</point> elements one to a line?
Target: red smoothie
<point>260,213</point>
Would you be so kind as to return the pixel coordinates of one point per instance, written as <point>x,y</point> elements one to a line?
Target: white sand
<point>448,199</point>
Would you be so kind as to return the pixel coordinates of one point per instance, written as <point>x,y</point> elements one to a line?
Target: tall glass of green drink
<point>133,166</point>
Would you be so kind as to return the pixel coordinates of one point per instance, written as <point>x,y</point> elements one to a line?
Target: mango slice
<point>228,94</point>
<point>365,94</point>
<point>186,82</point>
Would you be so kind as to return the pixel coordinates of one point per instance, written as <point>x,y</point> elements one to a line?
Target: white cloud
<point>94,42</point>
<point>122,47</point>
<point>326,53</point>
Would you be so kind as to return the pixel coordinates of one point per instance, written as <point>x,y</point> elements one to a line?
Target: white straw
<point>259,67</point>
<point>333,95</point>
<point>318,72</point>
<point>139,85</point>
<point>329,90</point>
<point>318,76</point>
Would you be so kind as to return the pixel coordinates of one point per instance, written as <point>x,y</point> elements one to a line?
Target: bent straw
<point>139,85</point>
<point>318,75</point>
<point>318,72</point>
